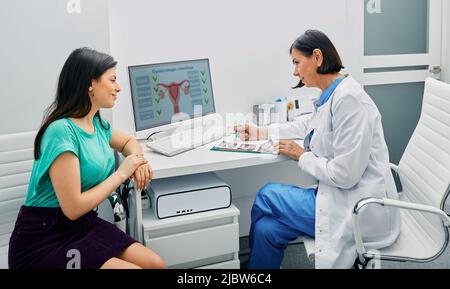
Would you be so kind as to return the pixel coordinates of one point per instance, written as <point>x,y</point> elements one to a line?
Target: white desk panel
<point>202,160</point>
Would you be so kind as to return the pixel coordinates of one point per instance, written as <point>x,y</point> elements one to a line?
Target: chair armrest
<point>361,250</point>
<point>393,167</point>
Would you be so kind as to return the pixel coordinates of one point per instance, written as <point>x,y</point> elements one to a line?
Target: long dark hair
<point>72,97</point>
<point>315,39</point>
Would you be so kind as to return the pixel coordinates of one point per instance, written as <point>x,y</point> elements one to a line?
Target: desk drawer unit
<point>203,240</point>
<point>233,264</point>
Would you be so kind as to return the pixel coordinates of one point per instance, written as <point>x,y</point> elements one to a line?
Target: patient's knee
<point>158,263</point>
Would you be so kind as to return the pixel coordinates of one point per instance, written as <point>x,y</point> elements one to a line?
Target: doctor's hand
<point>250,132</point>
<point>142,176</point>
<point>290,148</point>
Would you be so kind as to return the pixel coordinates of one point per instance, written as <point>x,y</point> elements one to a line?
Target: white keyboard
<point>169,146</point>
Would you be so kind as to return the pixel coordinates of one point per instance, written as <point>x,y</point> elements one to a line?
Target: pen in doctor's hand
<point>236,133</point>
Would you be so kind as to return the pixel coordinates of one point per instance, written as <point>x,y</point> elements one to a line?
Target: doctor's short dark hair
<point>315,39</point>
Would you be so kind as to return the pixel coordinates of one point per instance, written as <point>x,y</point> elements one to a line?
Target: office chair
<point>16,162</point>
<point>424,173</point>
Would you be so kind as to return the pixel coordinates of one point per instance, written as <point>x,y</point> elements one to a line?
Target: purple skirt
<point>46,238</point>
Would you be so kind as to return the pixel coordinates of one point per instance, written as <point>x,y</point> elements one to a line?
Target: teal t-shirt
<point>94,154</point>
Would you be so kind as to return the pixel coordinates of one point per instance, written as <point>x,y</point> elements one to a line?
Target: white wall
<point>36,38</point>
<point>247,43</point>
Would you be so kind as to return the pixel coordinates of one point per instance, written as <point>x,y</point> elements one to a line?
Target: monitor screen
<point>164,90</point>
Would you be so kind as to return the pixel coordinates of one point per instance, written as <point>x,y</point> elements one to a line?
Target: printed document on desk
<point>231,144</point>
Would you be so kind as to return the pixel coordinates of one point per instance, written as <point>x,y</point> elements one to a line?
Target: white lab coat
<point>350,160</point>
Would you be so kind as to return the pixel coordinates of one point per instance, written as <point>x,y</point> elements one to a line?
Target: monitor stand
<point>201,128</point>
<point>210,124</point>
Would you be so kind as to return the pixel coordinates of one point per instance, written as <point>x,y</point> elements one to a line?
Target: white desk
<point>202,160</point>
<point>159,234</point>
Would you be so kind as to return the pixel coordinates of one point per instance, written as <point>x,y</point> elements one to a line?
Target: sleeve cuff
<point>300,160</point>
<point>304,159</point>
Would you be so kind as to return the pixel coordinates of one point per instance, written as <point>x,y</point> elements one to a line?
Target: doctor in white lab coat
<point>344,150</point>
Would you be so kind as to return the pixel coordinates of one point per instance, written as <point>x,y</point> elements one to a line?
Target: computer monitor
<point>166,93</point>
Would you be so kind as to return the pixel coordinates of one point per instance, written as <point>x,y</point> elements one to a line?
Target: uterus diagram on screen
<point>174,92</point>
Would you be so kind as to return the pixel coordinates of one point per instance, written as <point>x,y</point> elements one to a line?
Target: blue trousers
<point>280,214</point>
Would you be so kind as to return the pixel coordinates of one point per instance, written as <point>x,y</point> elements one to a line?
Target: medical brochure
<point>234,144</point>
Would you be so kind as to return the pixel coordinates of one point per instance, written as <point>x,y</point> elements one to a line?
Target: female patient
<point>344,150</point>
<point>73,173</point>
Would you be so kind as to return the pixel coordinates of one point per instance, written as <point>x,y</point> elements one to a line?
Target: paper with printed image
<point>233,144</point>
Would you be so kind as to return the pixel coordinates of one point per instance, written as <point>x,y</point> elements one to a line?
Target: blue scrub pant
<point>280,214</point>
